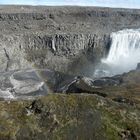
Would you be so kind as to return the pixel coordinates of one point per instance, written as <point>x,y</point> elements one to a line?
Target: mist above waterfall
<point>124,53</point>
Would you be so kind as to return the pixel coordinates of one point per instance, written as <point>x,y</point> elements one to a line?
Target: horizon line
<point>51,5</point>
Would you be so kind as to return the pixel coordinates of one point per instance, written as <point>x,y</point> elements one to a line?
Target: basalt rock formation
<point>45,50</point>
<point>59,38</point>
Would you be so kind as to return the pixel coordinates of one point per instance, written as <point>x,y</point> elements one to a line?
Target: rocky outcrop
<point>138,66</point>
<point>64,51</point>
<point>21,16</point>
<point>46,50</point>
<point>57,52</point>
<point>120,86</point>
<point>29,83</point>
<point>68,19</point>
<point>37,37</point>
<point>22,85</point>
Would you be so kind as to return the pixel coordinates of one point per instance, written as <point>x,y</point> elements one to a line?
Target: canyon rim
<point>57,81</point>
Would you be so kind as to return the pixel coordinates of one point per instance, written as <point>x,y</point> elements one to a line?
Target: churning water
<point>124,54</point>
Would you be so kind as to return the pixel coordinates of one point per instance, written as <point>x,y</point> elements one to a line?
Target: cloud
<point>118,3</point>
<point>107,3</point>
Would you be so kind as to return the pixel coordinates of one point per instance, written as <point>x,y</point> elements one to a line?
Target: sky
<point>105,3</point>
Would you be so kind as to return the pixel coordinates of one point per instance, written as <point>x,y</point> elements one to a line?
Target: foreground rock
<point>71,117</point>
<point>35,82</point>
<point>21,84</point>
<point>28,83</point>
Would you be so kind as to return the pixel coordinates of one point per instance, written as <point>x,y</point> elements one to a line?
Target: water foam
<point>124,54</point>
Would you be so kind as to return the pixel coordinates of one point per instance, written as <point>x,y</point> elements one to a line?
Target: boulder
<point>138,66</point>
<point>33,82</point>
<point>106,81</point>
<point>27,82</point>
<point>21,84</point>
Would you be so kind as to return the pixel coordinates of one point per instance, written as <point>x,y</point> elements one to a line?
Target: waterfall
<point>124,52</point>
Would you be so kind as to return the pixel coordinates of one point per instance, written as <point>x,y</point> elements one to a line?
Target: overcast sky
<point>108,3</point>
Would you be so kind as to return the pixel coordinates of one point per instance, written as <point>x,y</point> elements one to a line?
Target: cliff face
<point>59,52</point>
<point>70,53</point>
<point>69,19</point>
<point>59,38</point>
<point>69,40</point>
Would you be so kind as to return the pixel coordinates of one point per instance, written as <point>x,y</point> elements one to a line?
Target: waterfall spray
<point>124,53</point>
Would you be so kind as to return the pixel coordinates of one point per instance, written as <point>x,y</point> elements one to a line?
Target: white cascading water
<point>124,54</point>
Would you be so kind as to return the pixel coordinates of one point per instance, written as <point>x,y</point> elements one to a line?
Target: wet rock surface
<point>35,82</point>
<point>21,84</point>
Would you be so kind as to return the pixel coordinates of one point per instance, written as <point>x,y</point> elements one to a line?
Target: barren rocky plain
<point>47,88</point>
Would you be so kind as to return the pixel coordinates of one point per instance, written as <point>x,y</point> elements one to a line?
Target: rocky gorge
<point>48,91</point>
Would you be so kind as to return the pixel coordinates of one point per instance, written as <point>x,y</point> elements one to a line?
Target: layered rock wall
<point>66,39</point>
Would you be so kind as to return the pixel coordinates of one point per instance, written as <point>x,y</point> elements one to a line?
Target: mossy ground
<point>71,117</point>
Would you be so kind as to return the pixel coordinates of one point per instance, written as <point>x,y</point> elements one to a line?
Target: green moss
<point>67,117</point>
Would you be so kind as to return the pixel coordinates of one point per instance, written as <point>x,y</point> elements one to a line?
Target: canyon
<point>48,86</point>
